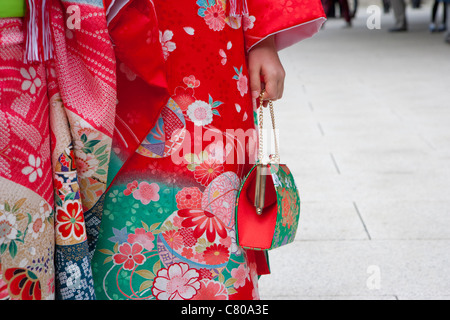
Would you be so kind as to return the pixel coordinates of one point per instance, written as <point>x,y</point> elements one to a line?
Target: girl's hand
<point>266,71</point>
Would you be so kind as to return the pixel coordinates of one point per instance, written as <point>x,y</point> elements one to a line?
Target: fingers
<point>271,91</point>
<point>256,86</point>
<point>274,83</point>
<point>266,72</point>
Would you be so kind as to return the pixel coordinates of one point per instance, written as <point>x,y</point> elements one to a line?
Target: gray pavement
<point>365,128</point>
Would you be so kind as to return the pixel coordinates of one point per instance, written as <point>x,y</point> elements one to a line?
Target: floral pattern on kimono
<point>56,125</point>
<point>185,137</point>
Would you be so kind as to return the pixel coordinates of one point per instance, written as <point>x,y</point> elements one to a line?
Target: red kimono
<point>184,139</point>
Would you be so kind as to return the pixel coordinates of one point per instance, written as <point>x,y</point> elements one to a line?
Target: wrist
<point>268,42</point>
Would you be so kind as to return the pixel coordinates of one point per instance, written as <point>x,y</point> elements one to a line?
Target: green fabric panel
<point>12,8</point>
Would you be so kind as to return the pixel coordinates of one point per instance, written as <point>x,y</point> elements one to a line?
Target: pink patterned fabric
<point>56,127</point>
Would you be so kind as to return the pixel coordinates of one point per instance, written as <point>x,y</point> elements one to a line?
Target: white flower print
<point>34,169</point>
<point>32,81</point>
<point>189,30</point>
<point>242,81</point>
<point>87,164</point>
<point>248,22</point>
<point>167,45</point>
<point>45,209</point>
<point>8,227</point>
<point>37,226</point>
<point>224,56</point>
<point>81,128</point>
<point>200,113</point>
<point>241,274</point>
<point>177,282</point>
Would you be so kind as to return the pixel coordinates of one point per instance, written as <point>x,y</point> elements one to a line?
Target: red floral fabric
<point>56,128</point>
<point>185,137</point>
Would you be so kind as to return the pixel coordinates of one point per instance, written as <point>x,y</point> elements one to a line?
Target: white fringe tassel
<point>38,45</point>
<point>238,8</point>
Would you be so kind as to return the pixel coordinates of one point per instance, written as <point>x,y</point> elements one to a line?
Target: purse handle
<point>273,158</point>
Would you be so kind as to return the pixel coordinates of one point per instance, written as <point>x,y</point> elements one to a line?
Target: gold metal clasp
<point>260,191</point>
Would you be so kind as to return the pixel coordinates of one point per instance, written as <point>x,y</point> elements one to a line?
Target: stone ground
<point>365,128</point>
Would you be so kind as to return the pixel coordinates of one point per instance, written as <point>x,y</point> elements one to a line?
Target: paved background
<point>365,127</point>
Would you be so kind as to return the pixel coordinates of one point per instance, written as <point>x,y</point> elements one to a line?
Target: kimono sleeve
<point>289,20</point>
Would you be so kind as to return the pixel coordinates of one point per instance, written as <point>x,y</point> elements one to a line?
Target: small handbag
<point>268,202</point>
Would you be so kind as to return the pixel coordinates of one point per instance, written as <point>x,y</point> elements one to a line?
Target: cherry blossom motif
<point>184,97</point>
<point>83,127</point>
<point>87,164</point>
<point>177,282</point>
<point>191,82</point>
<point>224,56</point>
<point>211,290</point>
<point>215,17</point>
<point>187,252</point>
<point>241,274</point>
<point>37,226</point>
<point>287,6</point>
<point>167,45</point>
<point>8,227</point>
<point>242,81</point>
<point>129,256</point>
<point>45,209</point>
<point>144,238</point>
<point>248,22</point>
<point>189,30</point>
<point>147,192</point>
<point>34,169</point>
<point>242,84</point>
<point>130,188</point>
<point>32,81</point>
